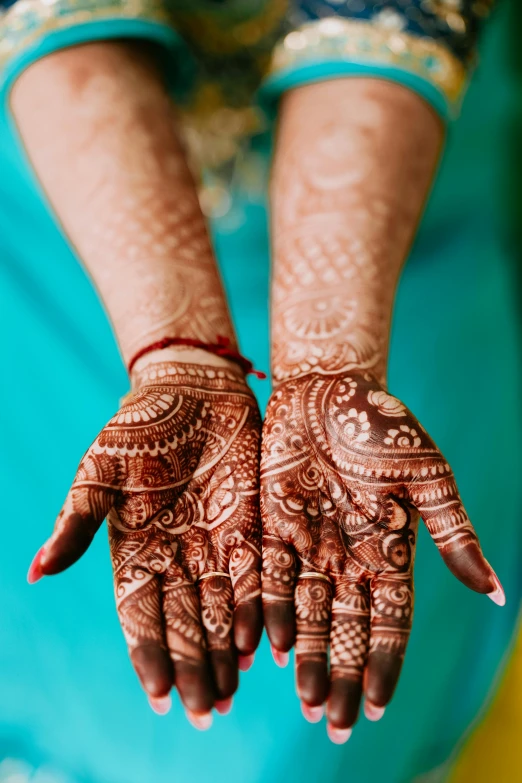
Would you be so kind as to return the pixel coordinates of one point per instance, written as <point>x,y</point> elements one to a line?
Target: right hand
<point>175,472</point>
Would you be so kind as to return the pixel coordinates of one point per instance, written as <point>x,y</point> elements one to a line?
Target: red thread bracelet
<point>221,348</point>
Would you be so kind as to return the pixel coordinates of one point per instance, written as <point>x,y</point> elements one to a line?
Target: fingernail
<point>312,714</point>
<point>245,662</point>
<point>160,705</point>
<point>201,721</point>
<point>281,658</point>
<point>35,569</point>
<point>373,712</point>
<point>223,706</point>
<point>497,595</point>
<point>338,736</point>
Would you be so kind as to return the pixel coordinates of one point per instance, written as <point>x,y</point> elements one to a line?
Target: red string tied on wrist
<point>220,348</point>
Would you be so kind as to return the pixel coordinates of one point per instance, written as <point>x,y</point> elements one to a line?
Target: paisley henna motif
<point>346,471</point>
<point>176,471</point>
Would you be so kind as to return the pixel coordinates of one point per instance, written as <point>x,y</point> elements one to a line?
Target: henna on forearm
<point>100,131</point>
<point>353,163</point>
<point>346,469</point>
<point>176,469</point>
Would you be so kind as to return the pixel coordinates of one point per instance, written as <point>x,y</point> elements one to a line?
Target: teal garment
<point>70,702</point>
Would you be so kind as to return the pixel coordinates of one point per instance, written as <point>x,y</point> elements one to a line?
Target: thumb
<point>450,528</point>
<point>89,501</point>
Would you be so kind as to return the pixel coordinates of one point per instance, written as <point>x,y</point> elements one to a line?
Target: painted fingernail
<point>160,705</point>
<point>35,569</point>
<point>312,714</point>
<point>338,736</point>
<point>245,662</point>
<point>224,706</point>
<point>201,721</point>
<point>373,712</point>
<point>497,595</point>
<point>281,658</point>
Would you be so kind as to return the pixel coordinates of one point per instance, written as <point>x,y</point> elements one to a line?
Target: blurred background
<point>70,708</point>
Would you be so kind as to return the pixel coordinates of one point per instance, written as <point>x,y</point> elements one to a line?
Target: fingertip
<point>245,662</point>
<point>372,712</point>
<point>281,658</point>
<point>497,595</point>
<point>35,572</point>
<point>195,686</point>
<point>381,676</point>
<point>280,624</point>
<point>225,669</point>
<point>312,714</point>
<point>312,680</point>
<point>344,701</point>
<point>471,568</point>
<point>200,720</point>
<point>153,666</point>
<point>248,626</point>
<point>338,736</point>
<point>161,705</point>
<point>224,706</point>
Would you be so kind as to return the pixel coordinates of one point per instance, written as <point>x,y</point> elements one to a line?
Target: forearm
<point>353,165</point>
<point>100,130</point>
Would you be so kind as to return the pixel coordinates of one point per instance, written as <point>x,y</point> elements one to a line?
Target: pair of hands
<point>346,472</point>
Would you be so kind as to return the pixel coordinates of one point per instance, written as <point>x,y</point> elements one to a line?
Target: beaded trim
<point>365,42</point>
<point>28,20</point>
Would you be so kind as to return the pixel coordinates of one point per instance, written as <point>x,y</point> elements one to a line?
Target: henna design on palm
<point>175,472</point>
<point>346,471</point>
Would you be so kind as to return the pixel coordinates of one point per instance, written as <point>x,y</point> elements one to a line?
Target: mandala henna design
<point>347,191</point>
<point>346,471</point>
<point>176,473</point>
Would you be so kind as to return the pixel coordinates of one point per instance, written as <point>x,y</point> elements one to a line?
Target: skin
<point>175,471</point>
<point>347,470</point>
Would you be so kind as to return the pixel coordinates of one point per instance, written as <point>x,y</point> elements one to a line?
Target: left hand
<point>346,471</point>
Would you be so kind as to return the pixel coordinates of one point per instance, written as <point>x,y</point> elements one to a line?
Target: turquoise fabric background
<point>69,700</point>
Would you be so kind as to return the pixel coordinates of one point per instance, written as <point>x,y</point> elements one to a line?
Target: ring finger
<point>313,601</point>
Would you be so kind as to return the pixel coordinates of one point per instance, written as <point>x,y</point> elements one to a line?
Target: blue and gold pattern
<point>237,46</point>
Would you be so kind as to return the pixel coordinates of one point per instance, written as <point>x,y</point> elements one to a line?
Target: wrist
<point>183,355</point>
<point>328,360</point>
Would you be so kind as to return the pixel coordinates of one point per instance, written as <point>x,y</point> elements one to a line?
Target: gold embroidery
<point>28,20</point>
<point>365,42</point>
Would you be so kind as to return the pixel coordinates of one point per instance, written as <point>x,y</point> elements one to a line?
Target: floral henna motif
<point>346,471</point>
<point>176,473</point>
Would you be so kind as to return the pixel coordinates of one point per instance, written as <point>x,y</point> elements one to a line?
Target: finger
<point>138,602</point>
<point>278,586</point>
<point>313,603</point>
<point>438,502</point>
<point>349,644</point>
<point>245,573</point>
<point>87,504</point>
<point>217,611</point>
<point>391,618</point>
<point>186,641</point>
